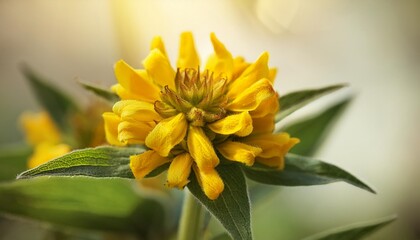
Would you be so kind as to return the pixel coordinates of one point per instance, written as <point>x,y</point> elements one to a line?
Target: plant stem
<point>191,218</point>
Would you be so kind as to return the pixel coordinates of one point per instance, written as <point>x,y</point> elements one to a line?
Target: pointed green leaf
<point>353,232</point>
<point>313,131</point>
<point>103,161</point>
<point>303,171</point>
<point>101,92</point>
<point>58,104</point>
<point>232,207</point>
<point>83,202</point>
<point>295,100</point>
<point>13,160</point>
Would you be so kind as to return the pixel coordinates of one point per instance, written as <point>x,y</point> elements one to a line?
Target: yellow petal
<point>272,75</point>
<point>111,121</point>
<point>39,127</point>
<point>239,66</point>
<point>255,72</point>
<point>252,97</point>
<point>157,42</point>
<point>133,110</point>
<point>45,152</point>
<point>239,152</point>
<point>273,145</point>
<point>136,82</point>
<point>274,162</point>
<point>269,106</point>
<point>145,163</point>
<point>134,132</point>
<point>188,57</point>
<point>124,94</point>
<point>201,149</point>
<point>263,125</point>
<point>210,182</point>
<point>238,124</point>
<point>179,170</point>
<point>159,69</point>
<point>168,133</point>
<point>221,61</point>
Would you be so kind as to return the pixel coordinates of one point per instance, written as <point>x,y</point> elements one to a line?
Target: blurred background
<point>372,45</point>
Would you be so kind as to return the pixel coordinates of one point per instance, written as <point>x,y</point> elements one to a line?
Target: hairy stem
<point>191,218</point>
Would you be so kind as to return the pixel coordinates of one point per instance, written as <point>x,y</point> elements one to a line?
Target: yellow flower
<point>39,127</point>
<point>42,133</point>
<point>191,118</point>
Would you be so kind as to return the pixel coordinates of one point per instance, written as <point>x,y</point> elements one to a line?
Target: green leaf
<point>83,202</point>
<point>103,161</point>
<point>353,232</point>
<point>13,160</point>
<point>303,171</point>
<point>313,131</point>
<point>57,103</point>
<point>232,207</point>
<point>295,100</point>
<point>101,92</point>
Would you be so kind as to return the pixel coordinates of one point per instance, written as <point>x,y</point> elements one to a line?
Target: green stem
<point>191,218</point>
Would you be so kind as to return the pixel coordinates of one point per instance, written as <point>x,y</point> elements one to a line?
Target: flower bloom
<point>49,143</point>
<point>42,133</point>
<point>193,119</point>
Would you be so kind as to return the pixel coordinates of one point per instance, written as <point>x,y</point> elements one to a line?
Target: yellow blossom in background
<point>192,119</point>
<point>39,127</point>
<point>42,133</point>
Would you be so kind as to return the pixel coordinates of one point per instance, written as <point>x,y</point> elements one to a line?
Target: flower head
<point>192,119</point>
<point>42,133</point>
<point>49,141</point>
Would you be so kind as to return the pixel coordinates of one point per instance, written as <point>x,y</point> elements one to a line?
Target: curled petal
<point>145,163</point>
<point>188,57</point>
<point>201,149</point>
<point>210,182</point>
<point>168,133</point>
<point>157,43</point>
<point>134,132</point>
<point>263,125</point>
<point>111,121</point>
<point>239,152</point>
<point>266,107</point>
<point>221,61</point>
<point>256,71</point>
<point>238,124</point>
<point>179,170</point>
<point>133,110</point>
<point>45,152</point>
<point>252,97</point>
<point>272,144</point>
<point>274,147</point>
<point>135,82</point>
<point>159,68</point>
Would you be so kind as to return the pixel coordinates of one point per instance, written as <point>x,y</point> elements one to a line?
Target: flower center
<point>201,97</point>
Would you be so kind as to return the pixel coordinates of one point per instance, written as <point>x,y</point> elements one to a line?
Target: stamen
<point>199,96</point>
